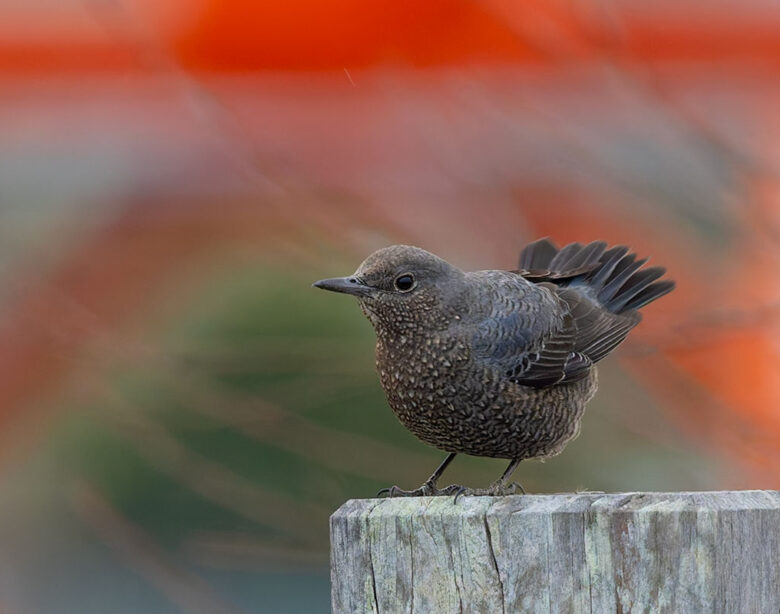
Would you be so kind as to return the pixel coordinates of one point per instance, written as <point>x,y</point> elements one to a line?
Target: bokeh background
<point>180,411</point>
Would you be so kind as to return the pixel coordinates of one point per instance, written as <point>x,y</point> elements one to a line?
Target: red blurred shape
<point>242,35</point>
<point>246,35</point>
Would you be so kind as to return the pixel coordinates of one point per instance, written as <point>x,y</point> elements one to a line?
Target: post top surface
<point>594,502</point>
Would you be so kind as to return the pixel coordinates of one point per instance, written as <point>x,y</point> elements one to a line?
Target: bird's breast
<point>421,375</point>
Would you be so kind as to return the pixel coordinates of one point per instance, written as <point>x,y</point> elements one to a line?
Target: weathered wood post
<point>581,553</point>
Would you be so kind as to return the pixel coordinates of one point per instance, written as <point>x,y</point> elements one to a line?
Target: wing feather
<point>581,304</point>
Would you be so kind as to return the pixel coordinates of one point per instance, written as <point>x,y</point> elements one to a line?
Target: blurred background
<point>180,412</point>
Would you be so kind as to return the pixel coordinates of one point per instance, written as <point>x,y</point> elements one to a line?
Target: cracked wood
<point>581,553</point>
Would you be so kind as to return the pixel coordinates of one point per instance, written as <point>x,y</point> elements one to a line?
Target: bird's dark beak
<point>347,285</point>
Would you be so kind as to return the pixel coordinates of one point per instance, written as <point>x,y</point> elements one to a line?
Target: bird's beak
<point>347,285</point>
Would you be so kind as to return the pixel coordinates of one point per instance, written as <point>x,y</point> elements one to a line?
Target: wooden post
<point>581,553</point>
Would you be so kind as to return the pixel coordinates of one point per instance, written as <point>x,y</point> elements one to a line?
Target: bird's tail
<point>614,277</point>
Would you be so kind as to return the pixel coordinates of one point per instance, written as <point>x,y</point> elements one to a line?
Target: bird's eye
<point>404,282</point>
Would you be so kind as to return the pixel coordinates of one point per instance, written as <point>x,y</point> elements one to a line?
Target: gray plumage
<point>497,363</point>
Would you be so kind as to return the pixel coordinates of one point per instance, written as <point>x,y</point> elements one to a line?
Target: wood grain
<point>581,553</point>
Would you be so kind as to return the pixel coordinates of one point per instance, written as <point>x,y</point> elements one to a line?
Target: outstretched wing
<point>583,302</point>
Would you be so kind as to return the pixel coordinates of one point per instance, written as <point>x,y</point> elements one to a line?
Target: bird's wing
<point>599,331</point>
<point>552,335</point>
<point>602,290</point>
<point>528,335</point>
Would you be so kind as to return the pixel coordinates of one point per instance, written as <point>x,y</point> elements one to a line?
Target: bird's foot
<point>497,489</point>
<point>428,489</point>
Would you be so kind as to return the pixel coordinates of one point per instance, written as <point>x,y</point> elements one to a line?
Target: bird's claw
<point>494,490</point>
<point>428,489</point>
<point>514,487</point>
<point>461,490</point>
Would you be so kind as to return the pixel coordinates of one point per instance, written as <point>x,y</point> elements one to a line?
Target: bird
<point>497,363</point>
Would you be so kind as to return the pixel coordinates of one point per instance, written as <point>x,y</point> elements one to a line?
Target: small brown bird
<point>497,363</point>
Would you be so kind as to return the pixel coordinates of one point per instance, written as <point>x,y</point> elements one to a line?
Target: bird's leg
<point>428,489</point>
<point>499,488</point>
<point>500,485</point>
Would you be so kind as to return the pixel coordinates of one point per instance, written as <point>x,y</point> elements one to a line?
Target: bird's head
<point>400,287</point>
